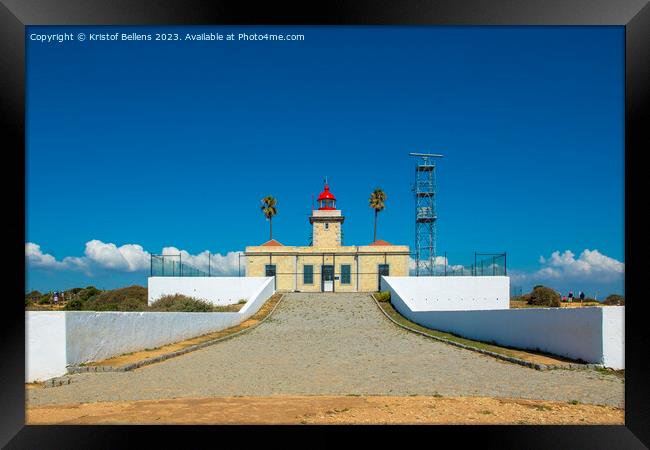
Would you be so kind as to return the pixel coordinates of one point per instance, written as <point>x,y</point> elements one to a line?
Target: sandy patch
<point>328,410</point>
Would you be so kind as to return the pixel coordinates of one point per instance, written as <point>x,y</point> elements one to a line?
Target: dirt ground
<point>328,410</point>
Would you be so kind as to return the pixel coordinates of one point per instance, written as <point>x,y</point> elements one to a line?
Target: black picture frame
<point>634,15</point>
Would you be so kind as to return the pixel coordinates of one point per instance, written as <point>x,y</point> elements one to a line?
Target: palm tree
<point>269,210</point>
<point>377,202</point>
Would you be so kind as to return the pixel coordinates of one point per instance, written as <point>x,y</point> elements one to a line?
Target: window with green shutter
<point>345,273</point>
<point>308,275</point>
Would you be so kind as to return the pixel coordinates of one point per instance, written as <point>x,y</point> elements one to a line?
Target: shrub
<point>32,297</point>
<point>615,299</point>
<point>383,296</point>
<point>45,299</point>
<point>87,293</point>
<point>180,303</point>
<point>132,298</point>
<point>242,301</point>
<point>74,305</point>
<point>544,296</point>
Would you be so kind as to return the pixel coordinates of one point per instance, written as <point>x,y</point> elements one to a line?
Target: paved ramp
<point>334,344</point>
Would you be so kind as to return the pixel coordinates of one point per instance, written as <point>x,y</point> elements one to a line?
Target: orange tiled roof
<point>381,242</point>
<point>272,243</point>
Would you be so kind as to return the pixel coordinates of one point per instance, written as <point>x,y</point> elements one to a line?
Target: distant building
<point>326,265</point>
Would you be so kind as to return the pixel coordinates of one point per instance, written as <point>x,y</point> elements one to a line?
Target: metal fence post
<point>446,262</point>
<point>474,268</point>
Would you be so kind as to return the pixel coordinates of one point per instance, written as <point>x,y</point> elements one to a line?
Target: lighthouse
<point>326,221</point>
<point>326,265</point>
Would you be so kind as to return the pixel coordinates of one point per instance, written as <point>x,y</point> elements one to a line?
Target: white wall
<point>451,293</point>
<point>58,339</point>
<point>45,355</point>
<point>93,336</point>
<point>217,290</point>
<point>614,336</point>
<point>258,297</point>
<point>592,334</point>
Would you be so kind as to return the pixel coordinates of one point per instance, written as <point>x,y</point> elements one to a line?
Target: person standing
<point>582,296</point>
<point>570,296</point>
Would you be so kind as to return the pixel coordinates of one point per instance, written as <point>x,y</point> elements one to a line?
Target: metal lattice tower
<point>425,213</point>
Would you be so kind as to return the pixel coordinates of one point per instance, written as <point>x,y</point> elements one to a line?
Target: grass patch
<point>180,303</point>
<point>606,371</point>
<point>383,296</point>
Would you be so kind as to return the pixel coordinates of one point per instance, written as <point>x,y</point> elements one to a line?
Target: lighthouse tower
<point>326,221</point>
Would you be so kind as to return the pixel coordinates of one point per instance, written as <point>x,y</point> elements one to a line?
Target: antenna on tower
<point>425,213</point>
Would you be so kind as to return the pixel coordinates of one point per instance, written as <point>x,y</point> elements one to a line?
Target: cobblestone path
<point>334,344</point>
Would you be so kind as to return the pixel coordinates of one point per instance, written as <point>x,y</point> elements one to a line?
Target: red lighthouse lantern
<point>326,200</point>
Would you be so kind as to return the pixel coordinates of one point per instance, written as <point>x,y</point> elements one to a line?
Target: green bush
<point>45,299</point>
<point>32,297</point>
<point>74,305</point>
<point>180,303</point>
<point>383,296</point>
<point>242,301</point>
<point>615,299</point>
<point>544,296</point>
<point>87,293</point>
<point>132,298</point>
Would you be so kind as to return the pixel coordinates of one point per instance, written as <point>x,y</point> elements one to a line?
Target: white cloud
<point>591,271</point>
<point>590,264</point>
<point>129,258</point>
<point>36,258</point>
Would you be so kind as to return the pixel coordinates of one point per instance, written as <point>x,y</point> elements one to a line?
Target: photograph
<point>325,225</point>
<point>406,218</point>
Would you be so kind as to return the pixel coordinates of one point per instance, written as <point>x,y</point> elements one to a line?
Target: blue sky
<point>162,144</point>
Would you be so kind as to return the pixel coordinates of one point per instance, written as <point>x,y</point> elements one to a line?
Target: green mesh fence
<point>457,264</point>
<point>173,266</point>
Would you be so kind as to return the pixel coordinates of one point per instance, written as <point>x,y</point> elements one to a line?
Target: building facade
<point>327,265</point>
